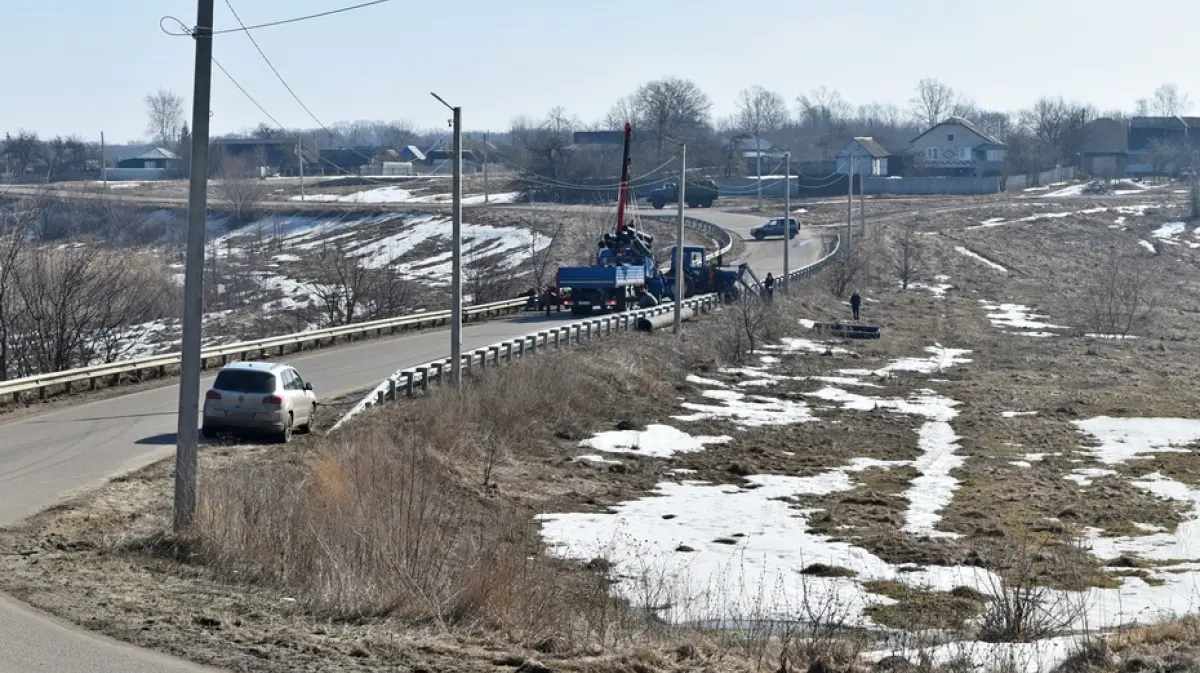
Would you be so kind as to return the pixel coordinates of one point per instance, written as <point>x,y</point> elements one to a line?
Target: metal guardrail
<point>91,376</point>
<point>280,344</point>
<point>409,381</point>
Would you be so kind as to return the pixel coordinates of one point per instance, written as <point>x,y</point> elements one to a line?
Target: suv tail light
<point>212,395</point>
<point>272,399</point>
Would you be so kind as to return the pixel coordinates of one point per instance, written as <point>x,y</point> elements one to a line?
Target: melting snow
<point>980,258</point>
<point>658,441</point>
<point>1124,439</point>
<point>1018,316</point>
<point>726,553</point>
<point>938,290</point>
<point>748,411</point>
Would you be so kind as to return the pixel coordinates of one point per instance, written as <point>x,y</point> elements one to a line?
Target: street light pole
<point>456,258</point>
<point>193,278</point>
<point>787,216</point>
<point>679,241</point>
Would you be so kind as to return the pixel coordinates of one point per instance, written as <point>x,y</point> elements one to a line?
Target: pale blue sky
<point>83,66</point>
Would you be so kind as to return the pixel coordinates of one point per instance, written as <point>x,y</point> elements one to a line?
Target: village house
<point>957,148</point>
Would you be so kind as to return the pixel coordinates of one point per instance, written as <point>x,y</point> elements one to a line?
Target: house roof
<point>598,138</point>
<point>1105,136</point>
<point>872,146</point>
<point>965,123</point>
<point>414,152</point>
<point>158,153</point>
<point>1163,122</point>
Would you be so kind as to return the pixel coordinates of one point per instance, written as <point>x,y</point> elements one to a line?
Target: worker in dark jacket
<point>645,299</point>
<point>552,298</point>
<point>855,303</point>
<point>769,286</point>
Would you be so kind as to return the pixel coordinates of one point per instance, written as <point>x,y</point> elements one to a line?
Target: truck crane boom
<point>623,192</point>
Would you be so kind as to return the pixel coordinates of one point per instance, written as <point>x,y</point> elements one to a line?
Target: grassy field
<point>1005,481</point>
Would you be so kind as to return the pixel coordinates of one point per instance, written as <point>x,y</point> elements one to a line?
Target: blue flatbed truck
<point>611,283</point>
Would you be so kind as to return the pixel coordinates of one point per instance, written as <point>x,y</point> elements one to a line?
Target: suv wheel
<point>307,428</point>
<point>285,435</point>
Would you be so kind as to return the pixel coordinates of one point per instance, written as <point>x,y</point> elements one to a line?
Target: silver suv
<point>259,397</point>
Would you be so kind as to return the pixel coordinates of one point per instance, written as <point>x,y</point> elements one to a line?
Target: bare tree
<point>999,125</point>
<point>164,111</point>
<point>79,305</point>
<point>23,150</point>
<point>849,268</point>
<point>541,252</point>
<point>15,229</point>
<point>1168,156</point>
<point>1058,125</point>
<point>933,103</point>
<point>624,110</point>
<point>673,108</point>
<point>348,290</point>
<point>241,186</point>
<point>909,258</point>
<point>824,113</point>
<point>1169,101</point>
<point>760,111</point>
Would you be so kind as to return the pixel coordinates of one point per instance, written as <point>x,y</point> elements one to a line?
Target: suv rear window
<point>241,381</point>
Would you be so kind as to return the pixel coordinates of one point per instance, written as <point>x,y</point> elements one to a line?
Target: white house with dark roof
<point>863,156</point>
<point>957,147</point>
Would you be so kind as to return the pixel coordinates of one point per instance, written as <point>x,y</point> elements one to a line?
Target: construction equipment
<point>702,275</point>
<point>624,264</point>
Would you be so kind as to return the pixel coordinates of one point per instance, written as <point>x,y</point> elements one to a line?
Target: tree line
<point>814,126</point>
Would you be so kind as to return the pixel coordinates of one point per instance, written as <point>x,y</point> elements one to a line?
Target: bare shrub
<point>1119,300</point>
<point>76,305</point>
<point>746,324</point>
<point>16,225</point>
<point>347,290</point>
<point>1023,608</point>
<point>908,258</point>
<point>489,280</point>
<point>386,520</point>
<point>241,186</point>
<point>848,269</point>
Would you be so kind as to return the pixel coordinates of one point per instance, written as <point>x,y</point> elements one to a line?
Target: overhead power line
<point>271,24</point>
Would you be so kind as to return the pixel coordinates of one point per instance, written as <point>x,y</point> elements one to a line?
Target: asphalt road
<point>47,457</point>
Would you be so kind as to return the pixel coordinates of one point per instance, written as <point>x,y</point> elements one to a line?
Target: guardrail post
<point>379,397</point>
<point>424,379</point>
<point>494,351</point>
<point>508,351</point>
<point>439,369</point>
<point>391,390</point>
<point>408,384</point>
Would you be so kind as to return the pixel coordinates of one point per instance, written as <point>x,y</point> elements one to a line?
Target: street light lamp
<point>456,256</point>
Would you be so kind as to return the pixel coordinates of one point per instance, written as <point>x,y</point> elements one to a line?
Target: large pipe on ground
<point>651,323</point>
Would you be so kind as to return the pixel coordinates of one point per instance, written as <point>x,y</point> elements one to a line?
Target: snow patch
<point>656,441</point>
<point>980,258</point>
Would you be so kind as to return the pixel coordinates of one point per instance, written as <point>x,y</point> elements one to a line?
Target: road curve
<point>47,457</point>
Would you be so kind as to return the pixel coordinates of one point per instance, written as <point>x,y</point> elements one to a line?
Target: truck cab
<point>699,193</point>
<point>702,275</point>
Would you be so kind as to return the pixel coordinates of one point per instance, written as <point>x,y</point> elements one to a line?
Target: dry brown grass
<point>400,516</point>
